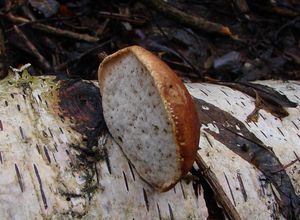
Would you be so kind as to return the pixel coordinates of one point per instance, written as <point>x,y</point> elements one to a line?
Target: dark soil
<point>264,43</point>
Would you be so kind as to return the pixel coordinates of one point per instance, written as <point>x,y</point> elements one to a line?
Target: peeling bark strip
<point>244,143</point>
<point>271,100</point>
<point>267,93</point>
<point>41,186</point>
<point>217,202</point>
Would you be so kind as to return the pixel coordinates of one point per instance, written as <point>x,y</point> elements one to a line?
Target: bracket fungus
<point>150,114</point>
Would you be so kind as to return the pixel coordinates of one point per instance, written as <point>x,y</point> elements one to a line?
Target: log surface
<point>57,160</point>
<point>256,162</point>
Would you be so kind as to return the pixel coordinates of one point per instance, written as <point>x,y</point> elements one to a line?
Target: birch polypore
<point>57,160</point>
<point>256,163</point>
<point>150,114</point>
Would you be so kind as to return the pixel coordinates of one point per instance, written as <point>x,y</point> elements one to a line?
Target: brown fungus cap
<point>177,102</point>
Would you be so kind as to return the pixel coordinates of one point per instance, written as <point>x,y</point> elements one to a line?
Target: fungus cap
<point>150,114</point>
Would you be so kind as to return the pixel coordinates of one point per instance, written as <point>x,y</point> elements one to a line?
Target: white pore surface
<point>137,119</point>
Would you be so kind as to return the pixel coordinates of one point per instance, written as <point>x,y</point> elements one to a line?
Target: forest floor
<point>232,40</point>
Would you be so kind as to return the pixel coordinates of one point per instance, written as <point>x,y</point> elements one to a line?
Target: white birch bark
<point>42,175</point>
<point>252,194</point>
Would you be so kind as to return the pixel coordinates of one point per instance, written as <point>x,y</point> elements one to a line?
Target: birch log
<point>256,162</point>
<point>57,160</point>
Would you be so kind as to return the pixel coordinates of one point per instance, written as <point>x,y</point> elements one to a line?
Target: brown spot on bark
<point>81,102</point>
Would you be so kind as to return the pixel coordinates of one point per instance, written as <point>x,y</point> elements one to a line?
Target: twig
<point>285,166</point>
<point>66,64</point>
<point>273,8</point>
<point>131,19</point>
<point>3,66</point>
<point>297,156</point>
<point>65,33</point>
<point>52,30</point>
<point>283,11</point>
<point>243,8</point>
<point>198,23</point>
<point>218,189</point>
<point>292,22</point>
<point>241,5</point>
<point>41,60</point>
<point>44,20</point>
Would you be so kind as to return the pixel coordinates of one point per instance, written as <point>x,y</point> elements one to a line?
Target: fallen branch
<point>198,23</point>
<point>221,196</point>
<point>120,17</point>
<point>64,33</point>
<point>273,7</point>
<point>52,30</point>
